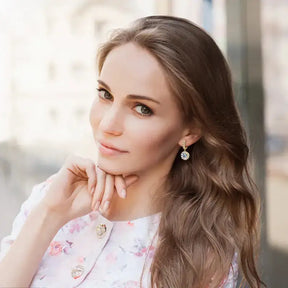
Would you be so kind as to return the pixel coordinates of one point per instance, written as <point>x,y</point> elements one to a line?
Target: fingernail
<point>123,193</point>
<point>106,205</point>
<point>96,207</point>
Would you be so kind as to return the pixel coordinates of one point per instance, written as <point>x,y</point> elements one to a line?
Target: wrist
<point>47,218</point>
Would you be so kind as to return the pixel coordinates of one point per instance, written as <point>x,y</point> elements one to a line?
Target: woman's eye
<point>104,94</point>
<point>143,110</point>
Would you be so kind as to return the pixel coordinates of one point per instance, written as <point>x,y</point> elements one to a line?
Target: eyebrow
<point>130,96</point>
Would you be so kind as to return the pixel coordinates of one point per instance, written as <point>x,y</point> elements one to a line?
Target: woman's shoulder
<point>38,192</point>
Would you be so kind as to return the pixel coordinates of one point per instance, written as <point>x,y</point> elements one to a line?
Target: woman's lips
<point>107,149</point>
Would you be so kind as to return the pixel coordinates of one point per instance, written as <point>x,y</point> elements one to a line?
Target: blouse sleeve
<point>37,194</point>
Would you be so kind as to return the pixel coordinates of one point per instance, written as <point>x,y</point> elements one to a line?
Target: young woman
<point>169,202</point>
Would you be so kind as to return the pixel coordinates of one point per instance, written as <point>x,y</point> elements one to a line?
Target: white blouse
<point>91,251</point>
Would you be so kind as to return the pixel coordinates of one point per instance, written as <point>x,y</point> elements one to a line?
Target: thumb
<point>131,179</point>
<point>121,184</point>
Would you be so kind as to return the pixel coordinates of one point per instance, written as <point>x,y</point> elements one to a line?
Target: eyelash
<point>137,104</point>
<point>103,90</point>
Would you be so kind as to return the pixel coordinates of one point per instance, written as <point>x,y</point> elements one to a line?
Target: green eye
<point>104,94</point>
<point>143,110</point>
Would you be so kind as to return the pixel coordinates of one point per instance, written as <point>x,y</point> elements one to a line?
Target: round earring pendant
<point>185,155</point>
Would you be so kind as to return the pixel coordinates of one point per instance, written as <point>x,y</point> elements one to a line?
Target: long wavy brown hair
<point>211,210</point>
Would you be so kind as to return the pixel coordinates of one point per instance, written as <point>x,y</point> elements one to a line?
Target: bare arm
<point>21,263</point>
<point>69,195</point>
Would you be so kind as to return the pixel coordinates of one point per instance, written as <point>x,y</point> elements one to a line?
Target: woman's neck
<point>140,201</point>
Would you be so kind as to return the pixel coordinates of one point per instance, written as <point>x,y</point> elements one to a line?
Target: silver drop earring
<point>185,155</point>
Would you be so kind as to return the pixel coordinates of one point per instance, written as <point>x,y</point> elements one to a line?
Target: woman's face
<point>135,120</point>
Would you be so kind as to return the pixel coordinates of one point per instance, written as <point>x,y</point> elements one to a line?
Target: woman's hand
<point>106,185</point>
<point>80,187</point>
<point>69,195</point>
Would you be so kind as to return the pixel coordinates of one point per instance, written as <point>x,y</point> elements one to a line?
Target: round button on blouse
<point>77,271</point>
<point>101,230</point>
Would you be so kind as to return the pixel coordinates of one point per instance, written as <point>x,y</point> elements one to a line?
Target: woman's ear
<point>190,137</point>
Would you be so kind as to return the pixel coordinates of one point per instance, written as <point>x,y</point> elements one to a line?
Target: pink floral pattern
<point>130,223</point>
<point>55,248</point>
<point>77,225</point>
<point>128,284</point>
<point>113,261</point>
<point>81,259</point>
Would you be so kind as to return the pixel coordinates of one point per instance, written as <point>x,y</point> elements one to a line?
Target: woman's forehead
<point>132,67</point>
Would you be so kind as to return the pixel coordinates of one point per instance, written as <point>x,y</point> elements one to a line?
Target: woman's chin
<point>111,168</point>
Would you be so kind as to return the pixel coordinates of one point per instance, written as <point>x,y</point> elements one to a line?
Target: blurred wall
<point>275,71</point>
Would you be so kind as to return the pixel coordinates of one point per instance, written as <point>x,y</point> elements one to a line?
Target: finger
<point>131,179</point>
<point>120,186</point>
<point>92,177</point>
<point>108,193</point>
<point>99,190</point>
<point>83,167</point>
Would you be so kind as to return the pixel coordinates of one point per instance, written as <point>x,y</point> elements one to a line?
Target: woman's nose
<point>111,122</point>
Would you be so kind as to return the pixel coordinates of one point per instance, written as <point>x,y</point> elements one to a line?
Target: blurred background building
<point>48,79</point>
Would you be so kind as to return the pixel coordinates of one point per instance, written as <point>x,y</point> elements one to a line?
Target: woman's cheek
<point>149,135</point>
<point>158,138</point>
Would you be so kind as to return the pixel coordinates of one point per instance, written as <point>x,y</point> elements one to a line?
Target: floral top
<point>91,251</point>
